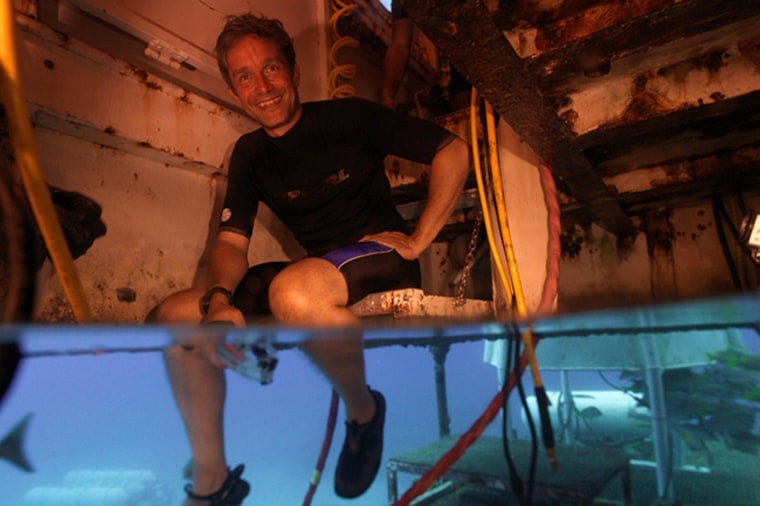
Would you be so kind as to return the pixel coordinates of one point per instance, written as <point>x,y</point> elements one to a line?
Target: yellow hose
<point>24,149</point>
<point>516,284</point>
<point>482,190</point>
<point>506,236</point>
<point>345,71</point>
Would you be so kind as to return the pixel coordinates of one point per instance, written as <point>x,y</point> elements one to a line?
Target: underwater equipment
<point>599,417</point>
<point>260,363</point>
<point>101,487</point>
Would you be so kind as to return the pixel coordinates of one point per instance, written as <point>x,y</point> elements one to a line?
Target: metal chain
<point>468,260</point>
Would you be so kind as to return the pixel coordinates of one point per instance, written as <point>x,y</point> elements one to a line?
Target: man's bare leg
<point>313,292</point>
<point>199,390</point>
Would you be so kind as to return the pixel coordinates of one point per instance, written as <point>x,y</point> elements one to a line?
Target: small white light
<point>750,232</point>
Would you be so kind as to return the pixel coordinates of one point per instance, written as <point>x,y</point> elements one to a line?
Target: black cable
<point>735,231</point>
<point>740,201</point>
<point>531,481</point>
<point>639,400</point>
<point>717,204</point>
<point>724,214</point>
<point>515,481</point>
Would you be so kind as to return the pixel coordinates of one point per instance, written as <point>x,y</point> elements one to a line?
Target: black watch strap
<point>206,299</point>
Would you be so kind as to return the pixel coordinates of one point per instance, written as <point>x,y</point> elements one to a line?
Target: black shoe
<point>362,451</point>
<point>233,491</point>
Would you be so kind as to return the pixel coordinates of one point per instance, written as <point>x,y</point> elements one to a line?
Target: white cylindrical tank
<point>107,476</point>
<point>96,487</point>
<point>142,486</point>
<point>598,417</point>
<point>76,496</point>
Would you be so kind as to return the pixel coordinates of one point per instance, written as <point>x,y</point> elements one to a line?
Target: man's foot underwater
<point>362,452</point>
<point>233,491</point>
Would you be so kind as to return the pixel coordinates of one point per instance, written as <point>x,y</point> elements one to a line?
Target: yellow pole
<point>22,139</point>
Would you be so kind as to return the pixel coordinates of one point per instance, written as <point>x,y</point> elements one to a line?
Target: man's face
<point>264,85</point>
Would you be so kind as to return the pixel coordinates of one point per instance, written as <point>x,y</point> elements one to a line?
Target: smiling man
<point>319,167</point>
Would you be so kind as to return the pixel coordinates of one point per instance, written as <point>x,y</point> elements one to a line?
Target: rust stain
<point>701,228</point>
<point>571,243</point>
<point>643,106</point>
<point>395,168</point>
<point>594,62</point>
<point>152,85</point>
<point>64,39</point>
<point>750,49</point>
<point>576,20</point>
<point>144,78</point>
<point>570,117</point>
<point>659,231</point>
<point>126,294</point>
<point>717,96</point>
<point>711,61</point>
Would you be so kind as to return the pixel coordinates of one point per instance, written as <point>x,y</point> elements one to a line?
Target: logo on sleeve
<point>226,214</point>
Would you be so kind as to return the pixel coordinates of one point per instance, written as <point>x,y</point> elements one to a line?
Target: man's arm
<point>228,265</point>
<point>448,173</point>
<point>396,59</point>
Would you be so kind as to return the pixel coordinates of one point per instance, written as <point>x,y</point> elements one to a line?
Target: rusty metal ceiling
<point>634,104</point>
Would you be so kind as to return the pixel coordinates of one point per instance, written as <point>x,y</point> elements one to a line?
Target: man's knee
<point>287,297</point>
<point>306,289</point>
<point>181,307</point>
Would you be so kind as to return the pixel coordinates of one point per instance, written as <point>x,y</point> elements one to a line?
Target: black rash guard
<point>325,177</point>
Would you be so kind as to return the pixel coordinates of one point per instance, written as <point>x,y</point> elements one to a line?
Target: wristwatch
<point>206,299</point>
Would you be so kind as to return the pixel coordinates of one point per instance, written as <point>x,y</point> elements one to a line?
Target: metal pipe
<point>439,357</point>
<point>653,376</point>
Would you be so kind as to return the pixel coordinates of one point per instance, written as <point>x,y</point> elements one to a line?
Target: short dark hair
<point>244,25</point>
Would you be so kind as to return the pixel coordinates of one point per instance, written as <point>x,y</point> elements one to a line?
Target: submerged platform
<point>582,473</point>
<point>479,478</point>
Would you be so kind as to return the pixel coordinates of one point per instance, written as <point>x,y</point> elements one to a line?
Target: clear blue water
<point>115,412</point>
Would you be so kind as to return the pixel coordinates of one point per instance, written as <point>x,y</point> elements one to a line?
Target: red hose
<point>464,442</point>
<point>545,306</point>
<point>326,442</point>
<point>554,247</point>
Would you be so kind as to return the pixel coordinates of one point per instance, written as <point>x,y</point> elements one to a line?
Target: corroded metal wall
<point>150,152</point>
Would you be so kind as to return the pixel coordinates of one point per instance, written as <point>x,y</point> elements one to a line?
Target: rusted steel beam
<point>575,54</point>
<point>719,128</point>
<point>465,31</point>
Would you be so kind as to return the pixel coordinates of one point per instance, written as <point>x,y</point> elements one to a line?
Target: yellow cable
<point>22,139</point>
<point>514,274</point>
<point>527,336</point>
<point>345,71</point>
<point>482,191</point>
